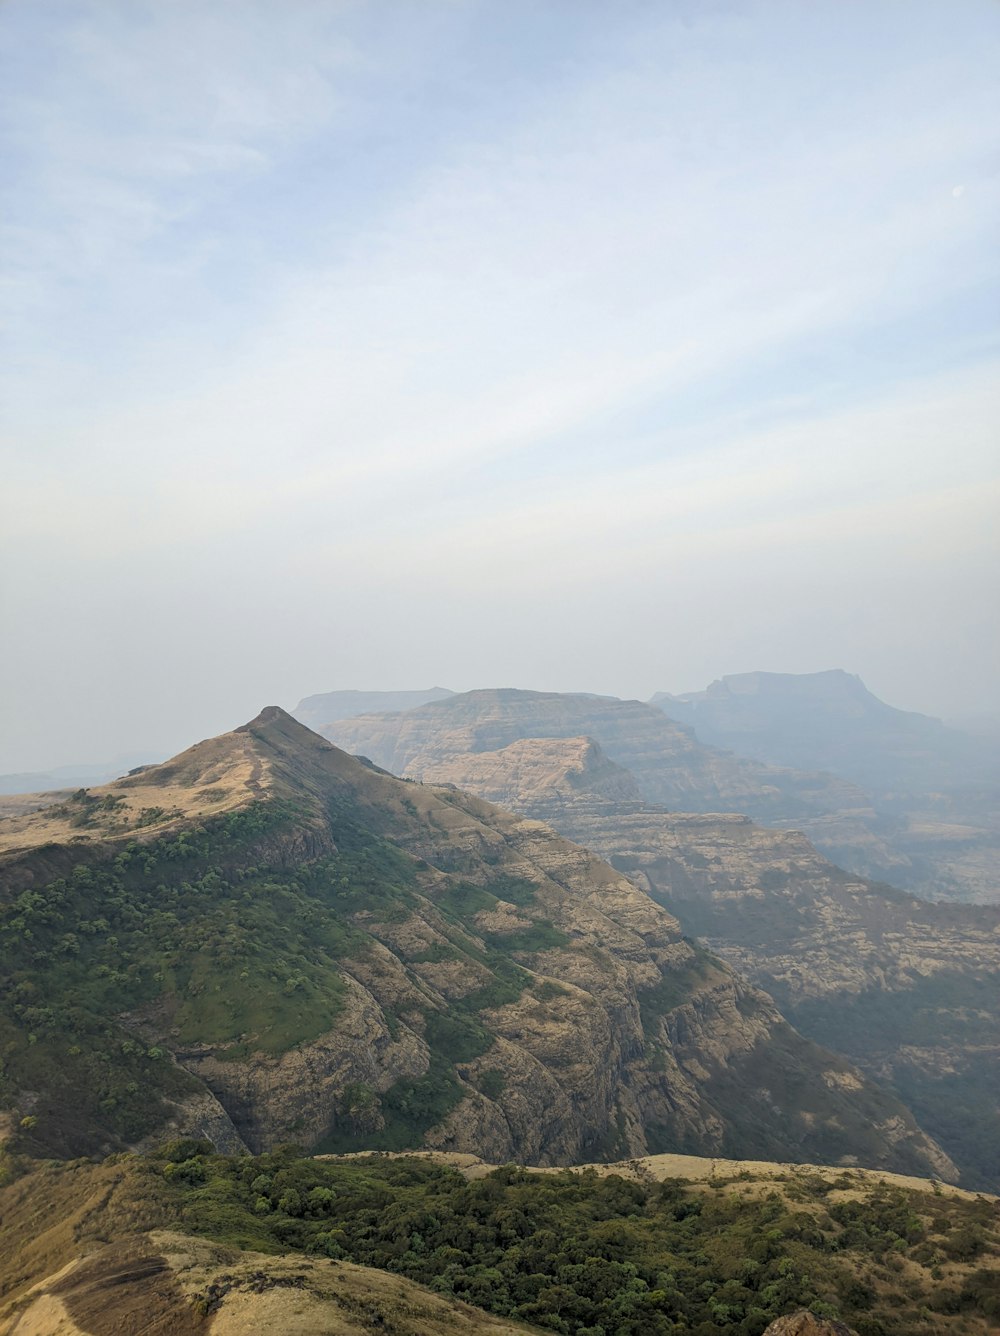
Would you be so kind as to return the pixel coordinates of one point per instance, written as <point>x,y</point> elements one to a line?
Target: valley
<point>301,946</point>
<point>905,988</point>
<point>267,946</point>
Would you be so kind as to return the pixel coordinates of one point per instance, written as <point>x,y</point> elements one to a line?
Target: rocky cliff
<point>669,766</point>
<point>666,761</point>
<point>346,959</point>
<point>936,789</point>
<point>904,987</point>
<point>831,721</point>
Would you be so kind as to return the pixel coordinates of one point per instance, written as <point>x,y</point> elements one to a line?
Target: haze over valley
<point>499,711</point>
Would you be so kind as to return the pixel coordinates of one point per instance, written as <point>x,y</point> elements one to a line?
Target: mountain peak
<point>830,683</point>
<point>270,714</point>
<point>270,756</point>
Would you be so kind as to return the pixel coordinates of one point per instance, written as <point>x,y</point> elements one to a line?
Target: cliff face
<point>943,844</point>
<point>346,959</point>
<point>536,770</point>
<point>666,761</point>
<point>902,987</point>
<point>936,789</point>
<point>831,721</point>
<point>670,767</point>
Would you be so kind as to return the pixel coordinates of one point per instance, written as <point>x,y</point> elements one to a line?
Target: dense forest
<point>594,1255</point>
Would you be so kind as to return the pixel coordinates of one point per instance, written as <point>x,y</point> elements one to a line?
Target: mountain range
<point>904,987</point>
<point>942,843</point>
<point>541,944</point>
<point>267,939</point>
<point>831,721</point>
<point>935,790</point>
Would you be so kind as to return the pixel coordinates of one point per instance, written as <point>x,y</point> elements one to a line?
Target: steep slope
<point>936,788</point>
<point>831,721</point>
<point>315,711</point>
<point>302,946</point>
<point>669,765</point>
<point>903,987</point>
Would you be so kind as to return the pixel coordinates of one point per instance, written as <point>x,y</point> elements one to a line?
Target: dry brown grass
<point>208,779</point>
<point>699,1170</point>
<point>78,1257</point>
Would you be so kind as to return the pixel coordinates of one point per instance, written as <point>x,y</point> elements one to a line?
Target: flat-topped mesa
<point>831,721</point>
<point>534,771</point>
<point>669,765</point>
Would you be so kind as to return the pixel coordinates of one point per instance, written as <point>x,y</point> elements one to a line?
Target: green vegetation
<point>199,926</point>
<point>84,808</point>
<point>409,1108</point>
<point>515,890</point>
<point>541,936</point>
<point>461,902</point>
<point>492,1083</point>
<point>457,1035</point>
<point>507,984</point>
<point>581,1254</point>
<point>673,988</point>
<point>213,934</point>
<point>959,1108</point>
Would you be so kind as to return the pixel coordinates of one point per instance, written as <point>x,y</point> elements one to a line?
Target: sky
<point>470,343</point>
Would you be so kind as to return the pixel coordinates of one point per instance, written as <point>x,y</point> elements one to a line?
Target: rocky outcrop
<point>536,770</point>
<point>779,910</point>
<point>292,1097</point>
<point>804,1323</point>
<point>203,1117</point>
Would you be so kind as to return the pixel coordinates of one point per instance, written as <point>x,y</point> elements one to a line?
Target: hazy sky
<point>559,343</point>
